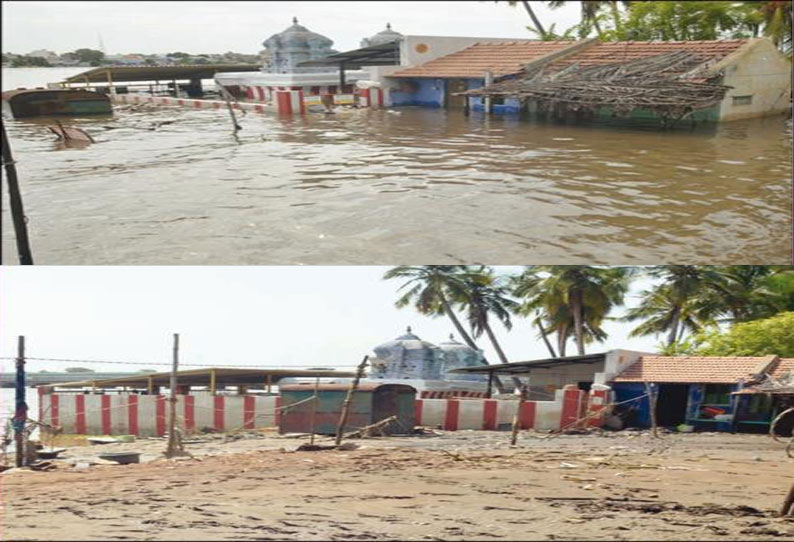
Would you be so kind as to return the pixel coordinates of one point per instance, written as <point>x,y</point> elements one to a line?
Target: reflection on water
<point>168,185</point>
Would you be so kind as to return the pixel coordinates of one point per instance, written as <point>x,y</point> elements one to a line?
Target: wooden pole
<point>17,209</point>
<point>349,400</point>
<point>149,385</point>
<point>314,407</point>
<point>788,504</point>
<point>21,413</point>
<point>212,381</point>
<point>269,382</point>
<point>226,96</point>
<point>171,451</point>
<point>490,385</point>
<point>517,418</point>
<point>488,80</point>
<point>652,403</point>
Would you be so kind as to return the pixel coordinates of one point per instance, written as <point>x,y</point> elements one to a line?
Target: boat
<point>41,102</point>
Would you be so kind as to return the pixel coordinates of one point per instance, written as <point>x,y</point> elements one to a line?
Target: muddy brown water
<point>408,185</point>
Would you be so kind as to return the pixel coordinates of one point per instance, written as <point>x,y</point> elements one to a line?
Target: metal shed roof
<point>383,54</point>
<point>157,73</point>
<point>524,367</point>
<point>224,376</point>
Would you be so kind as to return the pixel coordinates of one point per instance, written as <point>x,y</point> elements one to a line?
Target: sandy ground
<point>465,485</point>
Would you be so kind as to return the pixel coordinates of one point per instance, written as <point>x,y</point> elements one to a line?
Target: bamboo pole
<point>226,95</point>
<point>349,400</point>
<point>517,418</point>
<point>212,381</point>
<point>21,413</point>
<point>17,209</point>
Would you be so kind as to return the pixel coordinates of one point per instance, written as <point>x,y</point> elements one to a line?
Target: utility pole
<point>349,400</point>
<point>21,413</point>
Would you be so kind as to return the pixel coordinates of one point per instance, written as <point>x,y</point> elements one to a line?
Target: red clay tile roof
<point>500,58</point>
<point>620,51</point>
<point>689,369</point>
<point>786,365</point>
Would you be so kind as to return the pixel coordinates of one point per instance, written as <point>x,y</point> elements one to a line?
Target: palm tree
<point>428,288</point>
<point>679,303</point>
<point>590,13</point>
<point>538,26</point>
<point>661,313</point>
<point>574,299</point>
<point>485,295</point>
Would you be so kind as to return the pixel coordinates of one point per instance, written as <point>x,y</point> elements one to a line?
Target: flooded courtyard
<point>174,186</point>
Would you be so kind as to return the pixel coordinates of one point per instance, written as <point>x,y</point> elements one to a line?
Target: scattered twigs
<point>375,429</point>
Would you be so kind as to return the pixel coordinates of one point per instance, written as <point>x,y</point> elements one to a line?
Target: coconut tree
<point>679,303</point>
<point>428,287</point>
<point>574,299</point>
<point>431,290</point>
<point>486,295</point>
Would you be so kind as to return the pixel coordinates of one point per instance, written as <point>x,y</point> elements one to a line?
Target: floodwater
<point>409,185</point>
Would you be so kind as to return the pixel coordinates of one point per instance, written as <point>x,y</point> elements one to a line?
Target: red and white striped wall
<point>147,415</point>
<point>448,394</point>
<point>289,102</point>
<point>371,97</point>
<point>568,408</point>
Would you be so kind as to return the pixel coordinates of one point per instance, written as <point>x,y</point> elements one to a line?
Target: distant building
<point>46,54</point>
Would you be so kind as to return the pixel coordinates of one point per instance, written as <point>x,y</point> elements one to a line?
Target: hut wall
<point>760,71</point>
<point>427,92</point>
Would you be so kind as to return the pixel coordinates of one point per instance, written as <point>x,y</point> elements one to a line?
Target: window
<point>743,100</point>
<point>717,394</point>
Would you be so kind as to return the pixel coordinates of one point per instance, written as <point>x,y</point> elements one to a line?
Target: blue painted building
<point>696,391</point>
<point>436,83</point>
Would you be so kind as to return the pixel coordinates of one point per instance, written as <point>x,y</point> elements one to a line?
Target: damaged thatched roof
<point>671,84</point>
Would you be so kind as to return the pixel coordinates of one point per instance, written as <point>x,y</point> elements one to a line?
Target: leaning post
<point>349,400</point>
<point>17,210</point>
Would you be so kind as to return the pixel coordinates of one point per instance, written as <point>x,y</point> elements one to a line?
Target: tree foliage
<point>766,337</point>
<point>88,56</point>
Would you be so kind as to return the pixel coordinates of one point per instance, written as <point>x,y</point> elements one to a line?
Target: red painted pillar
<point>249,404</point>
<point>218,411</point>
<point>489,414</point>
<point>79,407</point>
<point>451,417</point>
<point>159,416</point>
<point>527,418</point>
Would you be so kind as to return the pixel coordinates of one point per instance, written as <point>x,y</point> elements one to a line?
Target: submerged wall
<point>761,79</point>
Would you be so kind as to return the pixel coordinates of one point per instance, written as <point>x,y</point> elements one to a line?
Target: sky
<point>217,27</point>
<point>309,316</point>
